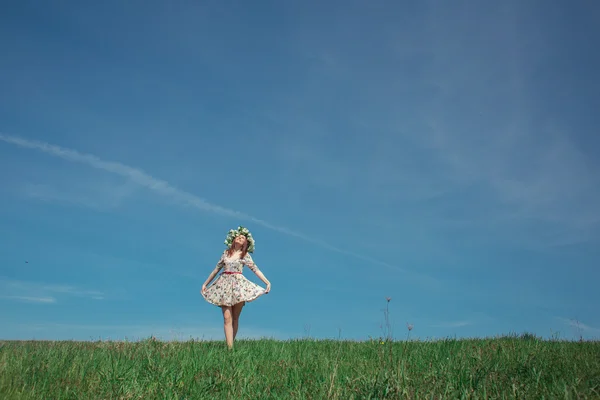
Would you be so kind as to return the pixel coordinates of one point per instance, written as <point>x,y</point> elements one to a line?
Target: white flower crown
<point>237,232</point>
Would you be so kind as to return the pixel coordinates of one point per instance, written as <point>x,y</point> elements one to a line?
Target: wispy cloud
<point>181,197</point>
<point>471,319</point>
<point>579,327</point>
<point>73,291</point>
<point>452,324</point>
<point>494,135</point>
<point>530,183</point>
<point>557,187</point>
<point>30,299</point>
<point>38,292</point>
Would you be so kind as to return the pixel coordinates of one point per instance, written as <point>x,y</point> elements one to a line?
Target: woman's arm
<point>211,276</point>
<point>261,276</point>
<point>250,263</point>
<point>214,272</point>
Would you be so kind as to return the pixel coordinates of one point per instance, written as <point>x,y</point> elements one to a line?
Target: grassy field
<point>511,367</point>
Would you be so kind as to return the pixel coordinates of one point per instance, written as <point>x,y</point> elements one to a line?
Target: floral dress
<point>232,288</point>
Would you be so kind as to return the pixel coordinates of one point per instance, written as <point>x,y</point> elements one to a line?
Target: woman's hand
<point>268,289</point>
<point>203,289</point>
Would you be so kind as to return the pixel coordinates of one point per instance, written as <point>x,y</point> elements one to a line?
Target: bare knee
<point>227,316</point>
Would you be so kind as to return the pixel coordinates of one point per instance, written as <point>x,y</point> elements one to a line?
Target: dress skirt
<point>230,289</point>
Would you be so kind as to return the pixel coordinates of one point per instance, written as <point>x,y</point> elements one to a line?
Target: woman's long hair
<point>244,249</point>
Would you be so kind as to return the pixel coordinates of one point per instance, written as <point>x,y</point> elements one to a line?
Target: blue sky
<point>444,155</point>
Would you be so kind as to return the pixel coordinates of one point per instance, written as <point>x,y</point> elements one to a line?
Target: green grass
<point>499,368</point>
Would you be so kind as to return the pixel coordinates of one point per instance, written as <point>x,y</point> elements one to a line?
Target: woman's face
<point>240,240</point>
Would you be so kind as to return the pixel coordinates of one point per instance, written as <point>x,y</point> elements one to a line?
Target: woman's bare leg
<point>236,310</point>
<point>227,325</point>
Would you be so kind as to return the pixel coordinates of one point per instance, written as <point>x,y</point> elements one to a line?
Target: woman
<point>232,290</point>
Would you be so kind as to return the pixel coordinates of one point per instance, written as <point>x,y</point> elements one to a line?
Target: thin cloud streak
<point>29,299</point>
<point>579,326</point>
<point>72,291</point>
<point>164,188</point>
<point>455,324</point>
<point>30,291</point>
